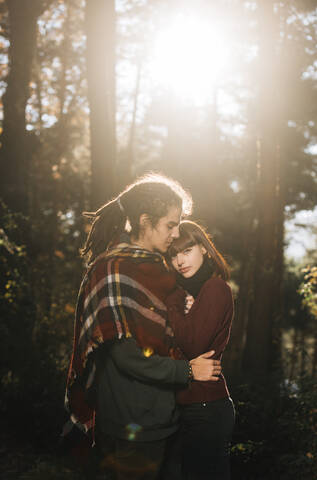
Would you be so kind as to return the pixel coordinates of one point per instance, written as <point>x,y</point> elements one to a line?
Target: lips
<point>184,270</point>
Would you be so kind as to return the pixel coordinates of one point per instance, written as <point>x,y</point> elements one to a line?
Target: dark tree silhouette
<point>100,21</point>
<point>15,149</point>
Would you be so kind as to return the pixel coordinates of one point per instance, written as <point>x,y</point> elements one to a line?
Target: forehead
<point>185,240</point>
<point>194,249</point>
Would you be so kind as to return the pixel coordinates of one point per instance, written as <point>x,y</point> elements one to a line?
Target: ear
<point>144,221</point>
<point>203,250</point>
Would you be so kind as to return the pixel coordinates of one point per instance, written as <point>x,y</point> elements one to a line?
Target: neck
<point>193,284</point>
<point>141,242</point>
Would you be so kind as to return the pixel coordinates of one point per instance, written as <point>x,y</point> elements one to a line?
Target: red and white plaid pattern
<point>121,295</point>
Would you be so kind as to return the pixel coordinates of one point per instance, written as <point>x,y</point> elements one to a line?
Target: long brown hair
<point>190,234</point>
<point>152,194</point>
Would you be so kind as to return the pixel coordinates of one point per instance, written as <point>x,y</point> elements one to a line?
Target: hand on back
<point>205,368</point>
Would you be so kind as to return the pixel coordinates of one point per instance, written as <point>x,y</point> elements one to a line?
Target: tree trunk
<point>275,362</point>
<point>125,165</point>
<point>293,357</point>
<point>15,152</point>
<point>303,352</point>
<point>131,141</point>
<point>100,23</point>
<point>259,333</point>
<point>314,362</point>
<point>234,353</point>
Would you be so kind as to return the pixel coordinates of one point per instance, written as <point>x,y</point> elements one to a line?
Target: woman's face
<point>160,237</point>
<point>188,261</point>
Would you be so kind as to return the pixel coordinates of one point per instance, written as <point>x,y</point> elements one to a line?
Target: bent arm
<point>131,360</point>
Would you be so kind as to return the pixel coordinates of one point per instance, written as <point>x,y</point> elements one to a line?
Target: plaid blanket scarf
<point>121,295</point>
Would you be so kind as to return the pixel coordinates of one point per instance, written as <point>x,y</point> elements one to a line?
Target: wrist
<point>190,373</point>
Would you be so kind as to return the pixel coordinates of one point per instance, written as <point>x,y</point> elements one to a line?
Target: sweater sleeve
<point>207,325</point>
<point>130,359</point>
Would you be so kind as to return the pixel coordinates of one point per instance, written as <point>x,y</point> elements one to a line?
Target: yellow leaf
<point>69,308</point>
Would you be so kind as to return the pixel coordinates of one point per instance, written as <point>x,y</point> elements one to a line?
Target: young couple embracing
<point>153,318</point>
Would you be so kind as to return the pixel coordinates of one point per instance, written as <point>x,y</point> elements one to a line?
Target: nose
<point>175,232</point>
<point>180,259</point>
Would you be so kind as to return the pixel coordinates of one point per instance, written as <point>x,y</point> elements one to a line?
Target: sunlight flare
<point>190,56</point>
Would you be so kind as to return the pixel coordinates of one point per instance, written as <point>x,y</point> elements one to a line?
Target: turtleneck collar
<point>193,284</point>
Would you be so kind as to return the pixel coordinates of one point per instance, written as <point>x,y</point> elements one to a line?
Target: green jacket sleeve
<point>130,360</point>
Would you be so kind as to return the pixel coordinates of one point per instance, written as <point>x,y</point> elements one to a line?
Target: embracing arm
<point>131,360</point>
<point>126,353</point>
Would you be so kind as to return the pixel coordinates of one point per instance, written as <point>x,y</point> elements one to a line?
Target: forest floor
<point>20,461</point>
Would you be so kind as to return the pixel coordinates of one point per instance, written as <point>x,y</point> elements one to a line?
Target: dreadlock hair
<point>190,234</point>
<point>152,194</point>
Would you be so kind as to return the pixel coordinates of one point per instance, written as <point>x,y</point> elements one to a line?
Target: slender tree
<point>259,331</point>
<point>100,22</point>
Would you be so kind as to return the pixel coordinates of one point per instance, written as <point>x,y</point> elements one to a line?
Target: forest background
<point>221,96</point>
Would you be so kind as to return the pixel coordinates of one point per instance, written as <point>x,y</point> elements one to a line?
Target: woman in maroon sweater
<point>201,314</point>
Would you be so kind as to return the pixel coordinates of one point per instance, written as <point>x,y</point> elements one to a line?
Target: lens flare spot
<point>132,430</point>
<point>148,351</point>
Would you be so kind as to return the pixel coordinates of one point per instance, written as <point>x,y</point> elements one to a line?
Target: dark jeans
<point>205,436</point>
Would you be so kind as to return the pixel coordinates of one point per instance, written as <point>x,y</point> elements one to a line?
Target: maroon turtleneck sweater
<point>206,327</point>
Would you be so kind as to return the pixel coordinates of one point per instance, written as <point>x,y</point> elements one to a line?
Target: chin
<point>161,249</point>
<point>187,274</point>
